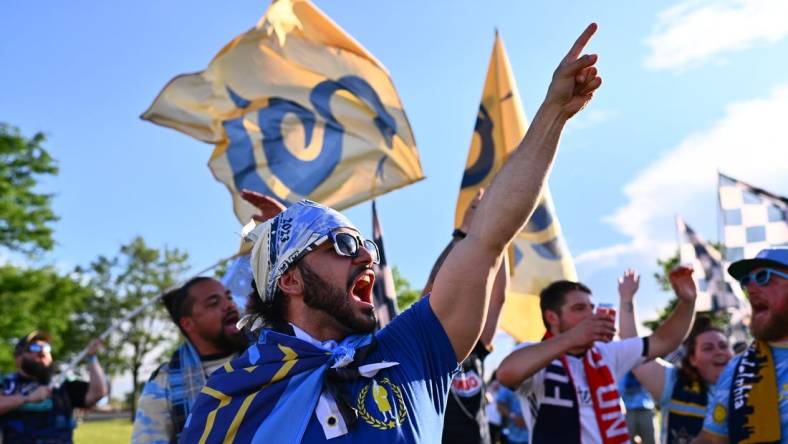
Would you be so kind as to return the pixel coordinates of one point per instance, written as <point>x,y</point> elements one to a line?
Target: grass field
<point>111,431</point>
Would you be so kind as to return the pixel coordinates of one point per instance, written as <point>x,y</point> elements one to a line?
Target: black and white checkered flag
<point>753,219</point>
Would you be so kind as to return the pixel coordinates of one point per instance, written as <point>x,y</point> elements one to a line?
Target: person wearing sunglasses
<point>33,412</point>
<point>750,401</point>
<point>682,392</point>
<point>319,371</point>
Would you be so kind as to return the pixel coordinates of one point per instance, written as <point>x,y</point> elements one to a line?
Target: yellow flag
<point>539,254</point>
<point>297,108</point>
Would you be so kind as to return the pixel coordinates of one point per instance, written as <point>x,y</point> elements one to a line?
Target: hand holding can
<point>608,310</point>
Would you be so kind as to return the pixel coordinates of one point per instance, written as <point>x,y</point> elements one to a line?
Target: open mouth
<point>759,308</point>
<point>230,319</point>
<point>363,286</point>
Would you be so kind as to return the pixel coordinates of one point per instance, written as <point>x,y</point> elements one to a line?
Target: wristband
<point>458,234</point>
<point>92,359</point>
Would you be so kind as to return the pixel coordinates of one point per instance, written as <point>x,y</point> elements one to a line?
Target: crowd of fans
<point>306,363</point>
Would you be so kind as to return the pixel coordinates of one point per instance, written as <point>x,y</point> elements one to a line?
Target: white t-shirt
<point>620,357</point>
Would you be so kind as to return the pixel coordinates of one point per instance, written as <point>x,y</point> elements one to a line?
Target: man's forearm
<point>627,321</point>
<point>11,402</point>
<point>497,299</point>
<point>97,387</point>
<point>514,193</point>
<point>669,335</point>
<point>525,362</point>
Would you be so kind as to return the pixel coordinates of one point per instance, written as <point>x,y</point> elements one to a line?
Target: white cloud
<point>695,30</point>
<point>748,143</point>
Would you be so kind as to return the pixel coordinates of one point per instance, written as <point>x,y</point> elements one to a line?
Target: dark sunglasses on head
<point>348,245</point>
<point>38,347</point>
<point>760,277</point>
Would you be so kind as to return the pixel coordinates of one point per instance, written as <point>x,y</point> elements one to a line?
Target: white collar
<point>304,336</point>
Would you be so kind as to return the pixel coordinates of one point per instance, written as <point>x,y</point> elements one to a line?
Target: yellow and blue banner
<point>297,109</point>
<point>538,255</point>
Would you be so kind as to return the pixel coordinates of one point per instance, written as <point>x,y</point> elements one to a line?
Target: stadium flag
<point>297,108</point>
<point>752,218</point>
<point>384,293</point>
<point>717,290</point>
<point>539,254</point>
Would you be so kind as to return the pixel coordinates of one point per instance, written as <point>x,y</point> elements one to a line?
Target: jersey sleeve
<point>152,421</point>
<point>716,420</point>
<point>623,355</point>
<point>417,337</point>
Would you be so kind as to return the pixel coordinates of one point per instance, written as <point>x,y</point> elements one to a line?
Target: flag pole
<point>72,364</point>
<point>720,229</point>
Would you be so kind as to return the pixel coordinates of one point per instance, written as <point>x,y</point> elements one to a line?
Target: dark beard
<point>773,330</point>
<point>42,373</point>
<point>319,295</point>
<point>232,343</point>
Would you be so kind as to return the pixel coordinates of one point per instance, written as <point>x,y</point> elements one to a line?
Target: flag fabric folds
<point>753,219</point>
<point>539,254</point>
<point>717,290</point>
<point>296,108</point>
<point>384,295</point>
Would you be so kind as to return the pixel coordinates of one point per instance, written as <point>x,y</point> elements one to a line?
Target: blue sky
<point>689,87</point>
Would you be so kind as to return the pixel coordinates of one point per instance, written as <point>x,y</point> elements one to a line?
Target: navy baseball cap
<point>768,257</point>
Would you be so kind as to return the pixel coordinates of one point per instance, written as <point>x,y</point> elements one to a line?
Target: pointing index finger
<point>580,43</point>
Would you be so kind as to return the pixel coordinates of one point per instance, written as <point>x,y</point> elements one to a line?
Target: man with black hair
<point>567,383</point>
<point>205,313</point>
<point>33,412</point>
<point>326,374</point>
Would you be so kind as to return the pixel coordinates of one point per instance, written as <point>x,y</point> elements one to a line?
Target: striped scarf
<point>553,421</point>
<point>269,393</point>
<point>753,404</point>
<point>186,379</point>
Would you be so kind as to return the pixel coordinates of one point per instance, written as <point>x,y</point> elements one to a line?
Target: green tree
<point>406,295</point>
<point>25,212</point>
<point>121,284</point>
<point>39,299</point>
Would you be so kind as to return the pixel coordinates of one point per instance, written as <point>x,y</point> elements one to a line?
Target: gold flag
<point>297,108</point>
<point>538,254</point>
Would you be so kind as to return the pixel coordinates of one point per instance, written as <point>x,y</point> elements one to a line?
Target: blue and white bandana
<point>281,241</point>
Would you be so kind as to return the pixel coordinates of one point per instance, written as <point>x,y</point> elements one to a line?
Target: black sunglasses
<point>348,245</point>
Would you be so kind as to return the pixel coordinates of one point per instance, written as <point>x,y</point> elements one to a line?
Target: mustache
<point>356,274</point>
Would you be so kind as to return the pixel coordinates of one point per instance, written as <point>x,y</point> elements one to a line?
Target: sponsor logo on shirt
<point>466,384</point>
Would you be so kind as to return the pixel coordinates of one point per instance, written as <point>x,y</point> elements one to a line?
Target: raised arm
<point>97,383</point>
<point>462,287</point>
<point>669,335</point>
<point>500,285</point>
<point>457,236</point>
<point>628,285</point>
<point>651,374</point>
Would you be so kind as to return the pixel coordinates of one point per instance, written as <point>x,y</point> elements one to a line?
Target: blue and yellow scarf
<point>269,393</point>
<point>753,403</point>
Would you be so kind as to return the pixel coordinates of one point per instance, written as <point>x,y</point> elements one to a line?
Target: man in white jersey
<point>567,382</point>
